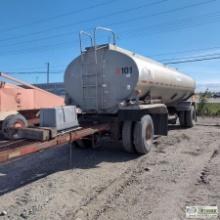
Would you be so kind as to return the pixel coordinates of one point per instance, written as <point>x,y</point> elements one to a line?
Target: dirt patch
<point>107,183</point>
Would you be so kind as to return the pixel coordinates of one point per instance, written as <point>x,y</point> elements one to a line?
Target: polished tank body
<point>105,77</point>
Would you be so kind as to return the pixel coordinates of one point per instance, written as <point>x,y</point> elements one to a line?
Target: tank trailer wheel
<point>182,118</point>
<point>13,121</point>
<point>143,134</point>
<point>90,142</point>
<point>80,144</point>
<point>187,118</point>
<point>83,143</point>
<point>127,136</point>
<point>190,117</point>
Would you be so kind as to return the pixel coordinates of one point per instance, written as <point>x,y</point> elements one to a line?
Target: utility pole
<point>48,72</point>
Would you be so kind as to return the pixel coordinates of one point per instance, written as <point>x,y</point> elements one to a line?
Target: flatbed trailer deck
<point>17,148</point>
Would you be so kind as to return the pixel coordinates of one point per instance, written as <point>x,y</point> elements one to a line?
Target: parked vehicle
<point>20,103</point>
<point>138,94</point>
<point>216,95</point>
<point>121,94</point>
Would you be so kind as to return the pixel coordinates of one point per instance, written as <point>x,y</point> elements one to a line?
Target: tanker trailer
<point>140,94</point>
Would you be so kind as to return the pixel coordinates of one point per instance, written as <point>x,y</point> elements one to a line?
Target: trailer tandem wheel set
<point>187,118</point>
<point>138,136</point>
<point>127,136</point>
<point>87,142</point>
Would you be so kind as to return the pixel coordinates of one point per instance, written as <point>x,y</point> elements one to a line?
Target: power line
<point>58,16</point>
<point>193,60</point>
<point>67,44</point>
<point>183,23</point>
<point>87,20</point>
<point>213,56</point>
<point>191,57</point>
<point>186,51</point>
<point>117,23</point>
<point>163,12</point>
<point>143,30</point>
<point>174,25</point>
<point>190,60</point>
<point>71,32</point>
<point>140,32</point>
<point>33,72</point>
<point>39,39</point>
<point>160,54</point>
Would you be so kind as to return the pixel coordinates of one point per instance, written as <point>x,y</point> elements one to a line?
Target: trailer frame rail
<point>14,149</point>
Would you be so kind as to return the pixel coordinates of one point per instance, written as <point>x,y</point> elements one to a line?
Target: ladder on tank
<point>90,79</point>
<point>90,86</point>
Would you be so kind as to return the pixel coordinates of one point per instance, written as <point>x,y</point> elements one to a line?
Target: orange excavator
<point>20,103</point>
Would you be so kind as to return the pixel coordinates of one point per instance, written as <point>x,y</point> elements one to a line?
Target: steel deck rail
<point>13,149</point>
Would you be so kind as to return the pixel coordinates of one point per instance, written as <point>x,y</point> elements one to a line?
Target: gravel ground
<point>107,183</point>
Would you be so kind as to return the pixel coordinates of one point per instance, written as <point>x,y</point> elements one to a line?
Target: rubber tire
<point>182,119</point>
<point>83,144</point>
<point>127,136</point>
<point>9,122</point>
<point>190,117</point>
<point>143,146</point>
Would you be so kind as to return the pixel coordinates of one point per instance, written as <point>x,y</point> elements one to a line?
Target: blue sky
<point>40,31</point>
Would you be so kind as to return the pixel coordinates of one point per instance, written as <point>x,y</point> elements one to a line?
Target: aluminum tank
<point>105,76</point>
